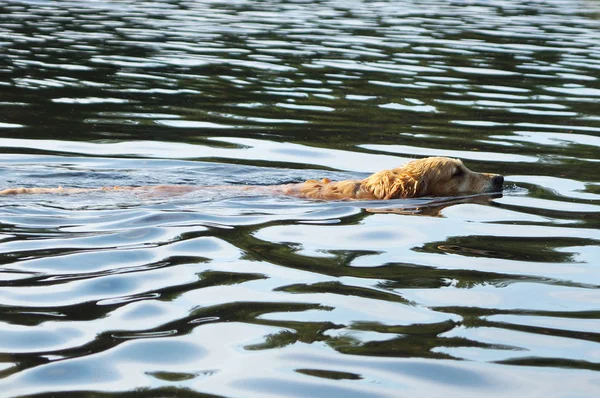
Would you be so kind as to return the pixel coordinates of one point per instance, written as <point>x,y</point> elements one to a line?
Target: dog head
<point>434,176</point>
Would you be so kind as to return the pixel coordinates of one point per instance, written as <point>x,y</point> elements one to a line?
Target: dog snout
<point>497,181</point>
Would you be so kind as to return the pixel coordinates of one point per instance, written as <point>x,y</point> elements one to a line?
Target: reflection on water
<point>125,294</point>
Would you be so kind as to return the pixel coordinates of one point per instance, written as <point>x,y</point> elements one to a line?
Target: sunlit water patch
<point>234,292</point>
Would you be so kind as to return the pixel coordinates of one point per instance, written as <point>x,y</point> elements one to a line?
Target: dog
<point>433,176</point>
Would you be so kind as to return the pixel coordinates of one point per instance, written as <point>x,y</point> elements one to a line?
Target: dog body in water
<point>434,176</point>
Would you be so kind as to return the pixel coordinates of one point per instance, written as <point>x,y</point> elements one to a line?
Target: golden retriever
<point>434,176</point>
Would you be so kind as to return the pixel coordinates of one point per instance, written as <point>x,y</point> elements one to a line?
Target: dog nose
<point>498,181</point>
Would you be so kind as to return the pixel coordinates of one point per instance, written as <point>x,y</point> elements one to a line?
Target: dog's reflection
<point>433,208</point>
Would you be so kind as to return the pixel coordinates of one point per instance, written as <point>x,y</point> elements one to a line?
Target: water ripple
<point>238,294</point>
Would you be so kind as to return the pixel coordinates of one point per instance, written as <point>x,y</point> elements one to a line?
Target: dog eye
<point>458,172</point>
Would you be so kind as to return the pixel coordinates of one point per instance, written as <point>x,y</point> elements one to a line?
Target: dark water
<point>121,294</point>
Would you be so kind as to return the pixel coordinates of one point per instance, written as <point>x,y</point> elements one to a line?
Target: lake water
<point>215,294</point>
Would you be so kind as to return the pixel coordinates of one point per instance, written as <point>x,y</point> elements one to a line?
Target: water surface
<point>217,294</point>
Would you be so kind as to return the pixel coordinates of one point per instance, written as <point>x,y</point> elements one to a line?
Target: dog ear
<point>392,184</point>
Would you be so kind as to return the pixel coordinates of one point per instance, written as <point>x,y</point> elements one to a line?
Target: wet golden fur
<point>434,176</point>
